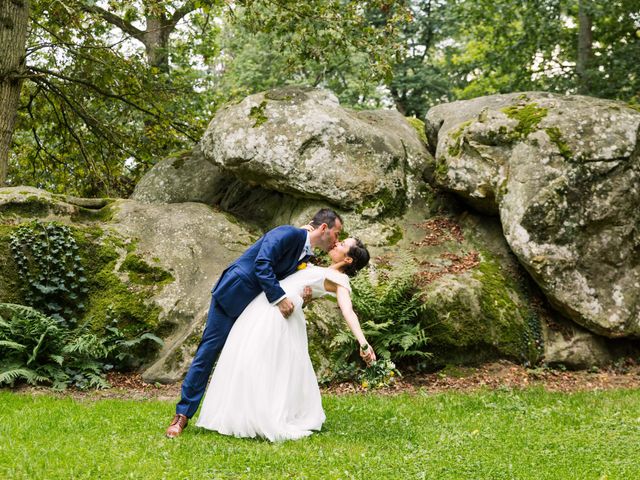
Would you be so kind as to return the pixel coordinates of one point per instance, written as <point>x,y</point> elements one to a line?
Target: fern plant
<point>36,348</point>
<point>31,346</point>
<point>389,312</point>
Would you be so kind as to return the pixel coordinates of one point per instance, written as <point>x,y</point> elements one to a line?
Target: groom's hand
<point>286,307</point>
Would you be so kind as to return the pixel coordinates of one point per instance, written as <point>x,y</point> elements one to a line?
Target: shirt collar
<point>307,250</point>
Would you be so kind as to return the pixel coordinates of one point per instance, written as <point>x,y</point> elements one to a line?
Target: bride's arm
<point>344,301</point>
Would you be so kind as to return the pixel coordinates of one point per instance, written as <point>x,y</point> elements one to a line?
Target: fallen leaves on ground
<point>493,376</point>
<point>506,375</point>
<point>439,230</point>
<point>430,272</point>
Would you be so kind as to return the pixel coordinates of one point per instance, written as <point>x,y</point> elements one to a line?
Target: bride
<point>264,384</point>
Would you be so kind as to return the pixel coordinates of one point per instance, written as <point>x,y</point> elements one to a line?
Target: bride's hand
<point>367,354</point>
<point>306,295</point>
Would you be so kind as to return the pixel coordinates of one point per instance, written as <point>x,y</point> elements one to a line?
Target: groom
<point>273,257</point>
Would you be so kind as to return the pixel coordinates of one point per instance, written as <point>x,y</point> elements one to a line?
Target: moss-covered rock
<point>479,304</point>
<point>142,273</point>
<point>481,314</point>
<point>109,297</point>
<point>10,277</point>
<point>418,125</point>
<point>150,268</point>
<point>562,174</point>
<point>528,117</point>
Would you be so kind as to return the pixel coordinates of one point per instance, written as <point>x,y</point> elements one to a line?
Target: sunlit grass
<point>484,435</point>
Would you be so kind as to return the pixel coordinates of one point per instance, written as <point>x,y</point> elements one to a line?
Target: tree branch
<point>182,12</point>
<point>114,20</point>
<point>108,94</point>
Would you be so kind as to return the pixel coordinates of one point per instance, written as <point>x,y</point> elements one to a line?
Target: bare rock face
<point>302,142</point>
<point>563,172</point>
<point>187,177</point>
<point>195,244</point>
<point>567,344</point>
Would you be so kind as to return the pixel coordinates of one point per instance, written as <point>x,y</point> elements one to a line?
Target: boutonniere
<point>302,266</point>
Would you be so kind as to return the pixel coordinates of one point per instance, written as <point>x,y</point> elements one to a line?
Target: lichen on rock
<point>562,172</point>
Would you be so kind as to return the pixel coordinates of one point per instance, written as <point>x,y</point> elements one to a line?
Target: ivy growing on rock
<point>50,268</point>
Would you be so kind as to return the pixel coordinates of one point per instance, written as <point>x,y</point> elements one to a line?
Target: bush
<point>39,349</point>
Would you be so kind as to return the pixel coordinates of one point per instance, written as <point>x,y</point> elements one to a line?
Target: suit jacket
<point>273,257</point>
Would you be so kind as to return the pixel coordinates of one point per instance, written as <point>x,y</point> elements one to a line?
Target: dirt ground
<point>496,375</point>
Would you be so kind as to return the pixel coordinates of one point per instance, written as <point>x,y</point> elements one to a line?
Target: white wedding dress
<point>264,384</point>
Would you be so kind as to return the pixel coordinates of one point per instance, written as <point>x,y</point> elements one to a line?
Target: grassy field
<point>520,434</point>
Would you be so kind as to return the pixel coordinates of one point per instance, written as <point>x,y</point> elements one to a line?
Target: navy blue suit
<point>273,257</point>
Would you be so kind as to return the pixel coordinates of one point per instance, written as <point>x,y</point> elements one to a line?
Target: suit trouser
<point>195,383</point>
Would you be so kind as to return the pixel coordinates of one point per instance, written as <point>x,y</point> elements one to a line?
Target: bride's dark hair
<point>360,256</point>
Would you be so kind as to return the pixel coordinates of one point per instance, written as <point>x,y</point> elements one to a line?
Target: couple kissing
<point>264,384</point>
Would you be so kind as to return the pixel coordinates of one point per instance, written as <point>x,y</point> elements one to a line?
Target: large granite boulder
<point>563,173</point>
<point>302,142</point>
<point>195,244</point>
<point>478,302</point>
<point>151,267</point>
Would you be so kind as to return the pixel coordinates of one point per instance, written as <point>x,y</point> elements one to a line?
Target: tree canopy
<point>107,88</point>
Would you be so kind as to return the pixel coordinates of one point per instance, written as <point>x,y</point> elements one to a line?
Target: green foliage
<point>111,298</point>
<point>50,269</point>
<point>40,349</point>
<point>421,78</point>
<point>389,314</point>
<point>95,111</point>
<point>332,44</point>
<point>500,46</point>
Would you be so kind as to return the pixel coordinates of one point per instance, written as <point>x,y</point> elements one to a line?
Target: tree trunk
<point>14,18</point>
<point>585,46</point>
<point>156,42</point>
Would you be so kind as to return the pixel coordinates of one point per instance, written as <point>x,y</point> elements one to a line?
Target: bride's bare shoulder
<point>334,278</point>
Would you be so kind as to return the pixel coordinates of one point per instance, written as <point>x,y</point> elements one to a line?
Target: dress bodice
<point>314,277</point>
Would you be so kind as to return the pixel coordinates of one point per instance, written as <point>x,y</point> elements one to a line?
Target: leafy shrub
<point>389,313</point>
<point>38,349</point>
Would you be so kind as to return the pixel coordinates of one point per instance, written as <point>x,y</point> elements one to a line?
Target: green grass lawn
<point>484,435</point>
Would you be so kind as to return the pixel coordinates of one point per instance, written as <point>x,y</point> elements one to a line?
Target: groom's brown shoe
<point>178,424</point>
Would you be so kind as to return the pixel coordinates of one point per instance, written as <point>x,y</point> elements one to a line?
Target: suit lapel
<point>298,251</point>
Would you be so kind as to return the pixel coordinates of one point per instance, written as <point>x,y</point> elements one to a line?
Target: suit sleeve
<point>273,249</point>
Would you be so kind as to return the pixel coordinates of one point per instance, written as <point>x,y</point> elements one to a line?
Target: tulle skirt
<point>264,384</point>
